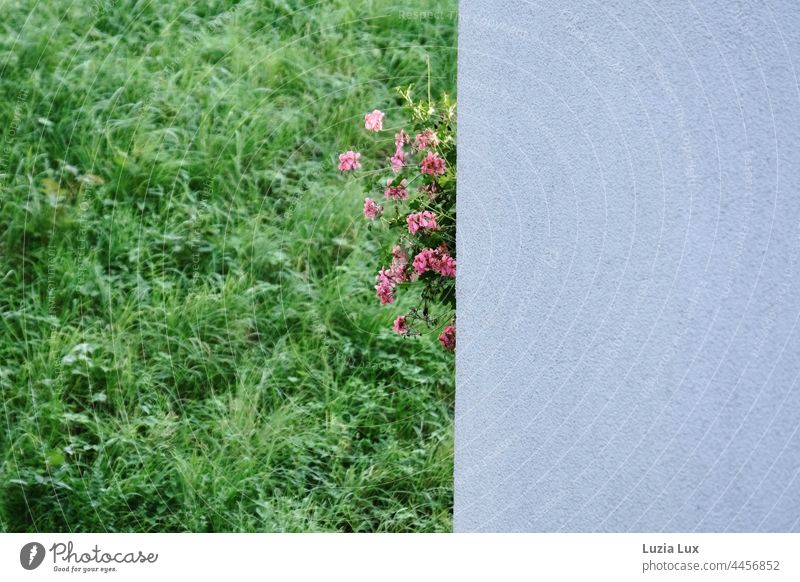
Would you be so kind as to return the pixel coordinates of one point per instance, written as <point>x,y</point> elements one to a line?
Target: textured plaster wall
<point>629,266</point>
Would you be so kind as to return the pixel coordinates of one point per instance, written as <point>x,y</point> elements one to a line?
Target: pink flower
<point>437,260</point>
<point>397,273</point>
<point>422,262</point>
<point>396,192</point>
<point>374,121</point>
<point>388,279</point>
<point>371,209</point>
<point>425,220</point>
<point>398,160</point>
<point>400,326</point>
<point>446,266</point>
<point>448,337</point>
<point>426,139</point>
<point>385,287</point>
<point>400,139</point>
<point>349,161</point>
<point>384,294</point>
<point>432,164</point>
<point>399,256</point>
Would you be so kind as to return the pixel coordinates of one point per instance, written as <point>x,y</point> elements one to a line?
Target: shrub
<point>418,185</point>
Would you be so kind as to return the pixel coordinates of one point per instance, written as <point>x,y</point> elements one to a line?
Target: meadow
<point>190,340</point>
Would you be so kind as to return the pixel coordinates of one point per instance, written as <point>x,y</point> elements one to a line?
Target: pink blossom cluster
<point>437,260</point>
<point>397,273</point>
<point>426,139</point>
<point>374,121</point>
<point>399,261</point>
<point>399,256</point>
<point>421,220</point>
<point>399,192</point>
<point>448,337</point>
<point>410,150</point>
<point>401,325</point>
<point>398,160</point>
<point>389,278</point>
<point>372,210</point>
<point>385,287</point>
<point>432,164</point>
<point>400,139</point>
<point>349,161</point>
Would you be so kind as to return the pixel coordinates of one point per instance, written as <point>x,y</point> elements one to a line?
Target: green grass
<point>190,340</point>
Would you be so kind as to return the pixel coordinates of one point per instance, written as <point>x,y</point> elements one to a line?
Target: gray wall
<point>629,228</point>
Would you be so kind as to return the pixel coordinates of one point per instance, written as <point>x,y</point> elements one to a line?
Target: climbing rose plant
<point>416,198</point>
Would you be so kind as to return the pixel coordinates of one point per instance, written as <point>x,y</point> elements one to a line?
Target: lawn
<point>190,340</point>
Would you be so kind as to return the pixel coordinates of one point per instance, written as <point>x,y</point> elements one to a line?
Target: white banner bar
<point>401,557</point>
